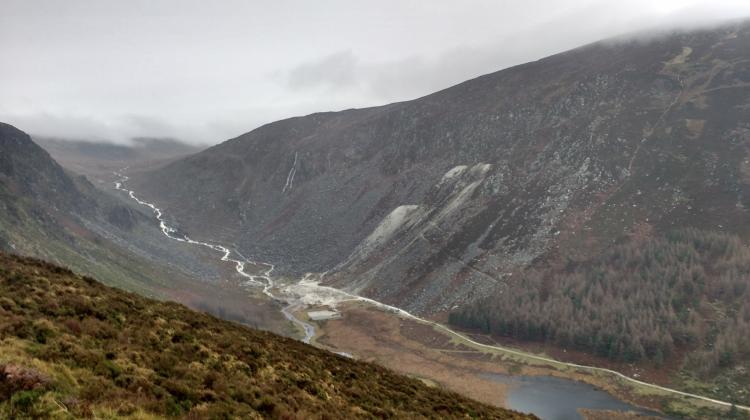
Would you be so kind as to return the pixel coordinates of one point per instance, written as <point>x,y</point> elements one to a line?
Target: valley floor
<point>428,353</point>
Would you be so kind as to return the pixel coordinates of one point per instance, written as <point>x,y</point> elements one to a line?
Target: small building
<point>323,315</point>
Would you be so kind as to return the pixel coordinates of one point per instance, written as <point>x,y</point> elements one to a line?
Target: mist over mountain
<point>138,147</point>
<point>167,73</point>
<point>100,159</point>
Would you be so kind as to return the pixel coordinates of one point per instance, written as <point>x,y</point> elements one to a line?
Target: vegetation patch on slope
<point>71,347</point>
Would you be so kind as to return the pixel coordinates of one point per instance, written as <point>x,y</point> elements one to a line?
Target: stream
<point>263,280</point>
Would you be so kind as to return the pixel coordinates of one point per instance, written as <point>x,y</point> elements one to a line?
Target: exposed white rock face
<point>401,218</point>
<point>456,171</point>
<point>480,169</point>
<point>401,215</point>
<point>458,199</point>
<point>408,228</point>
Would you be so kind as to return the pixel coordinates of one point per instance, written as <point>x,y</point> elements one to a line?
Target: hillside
<point>431,203</point>
<point>27,170</point>
<point>49,213</point>
<point>71,347</point>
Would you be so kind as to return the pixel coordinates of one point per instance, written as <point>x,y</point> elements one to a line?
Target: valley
<point>567,237</point>
<point>458,370</point>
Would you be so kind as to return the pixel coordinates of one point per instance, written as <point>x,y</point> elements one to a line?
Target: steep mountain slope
<point>436,201</point>
<point>72,348</point>
<point>27,170</point>
<point>49,213</point>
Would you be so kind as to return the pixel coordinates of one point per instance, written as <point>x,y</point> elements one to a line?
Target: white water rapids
<point>308,292</point>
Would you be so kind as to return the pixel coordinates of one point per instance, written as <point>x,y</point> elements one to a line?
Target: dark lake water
<point>552,398</point>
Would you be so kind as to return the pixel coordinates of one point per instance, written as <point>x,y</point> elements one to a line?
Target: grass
<point>87,350</point>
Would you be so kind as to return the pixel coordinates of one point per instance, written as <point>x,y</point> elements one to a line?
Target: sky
<point>207,71</point>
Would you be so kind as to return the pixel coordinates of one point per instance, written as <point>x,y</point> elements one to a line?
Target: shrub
<point>15,378</point>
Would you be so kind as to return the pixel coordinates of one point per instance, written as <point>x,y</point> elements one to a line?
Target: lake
<point>552,398</point>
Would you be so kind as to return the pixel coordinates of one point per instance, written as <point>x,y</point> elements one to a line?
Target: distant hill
<point>73,348</point>
<point>99,159</point>
<point>48,212</point>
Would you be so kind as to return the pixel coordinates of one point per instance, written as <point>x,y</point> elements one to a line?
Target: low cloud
<point>166,73</point>
<point>345,74</point>
<point>120,129</point>
<point>338,70</point>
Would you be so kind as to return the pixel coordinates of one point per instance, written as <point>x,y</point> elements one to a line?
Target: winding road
<point>289,304</point>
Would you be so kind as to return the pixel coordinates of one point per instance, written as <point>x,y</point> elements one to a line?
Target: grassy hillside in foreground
<point>71,347</point>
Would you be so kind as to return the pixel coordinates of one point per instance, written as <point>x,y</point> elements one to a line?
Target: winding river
<point>263,280</point>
